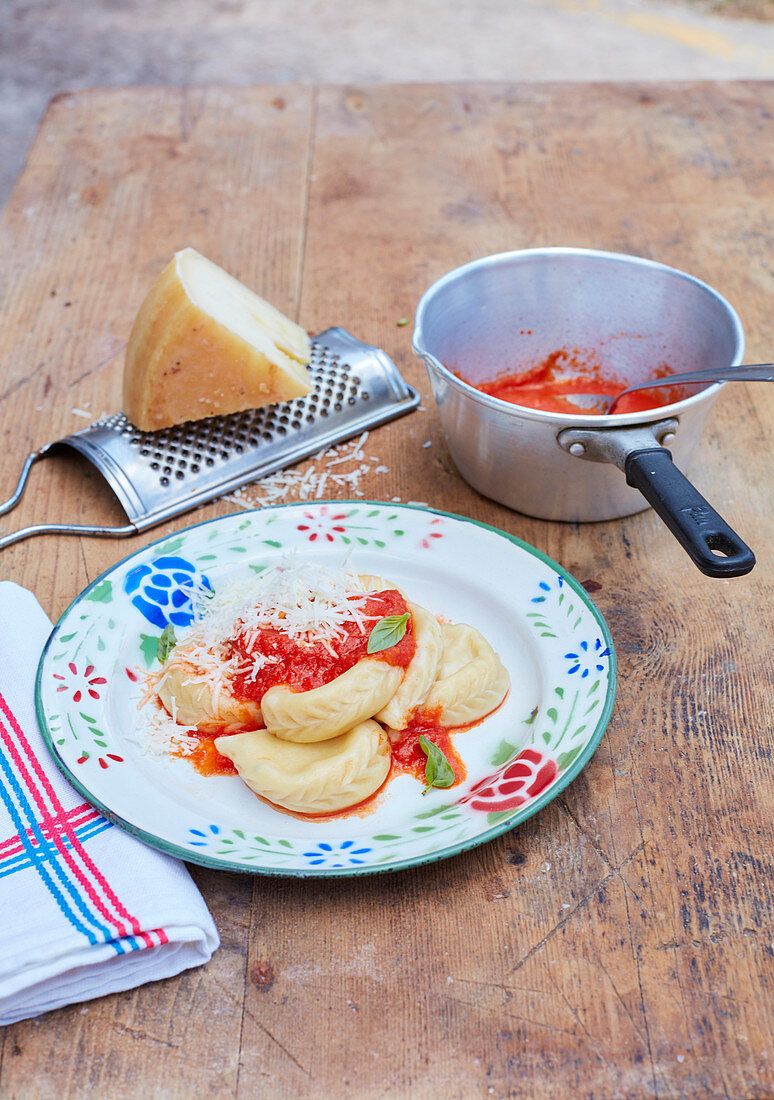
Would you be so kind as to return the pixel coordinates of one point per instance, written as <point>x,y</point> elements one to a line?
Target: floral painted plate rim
<point>525,781</point>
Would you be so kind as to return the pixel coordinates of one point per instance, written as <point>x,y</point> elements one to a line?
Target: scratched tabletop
<point>619,943</point>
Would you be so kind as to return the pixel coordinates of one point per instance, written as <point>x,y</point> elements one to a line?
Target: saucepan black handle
<point>712,545</point>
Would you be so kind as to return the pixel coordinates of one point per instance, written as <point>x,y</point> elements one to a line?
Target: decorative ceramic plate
<point>548,633</point>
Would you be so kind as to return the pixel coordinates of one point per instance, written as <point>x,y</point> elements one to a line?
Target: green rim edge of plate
<point>496,830</point>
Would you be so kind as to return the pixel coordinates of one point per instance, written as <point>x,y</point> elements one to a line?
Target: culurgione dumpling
<point>471,680</point>
<point>311,778</point>
<point>370,582</point>
<point>194,700</point>
<point>329,710</point>
<point>421,673</point>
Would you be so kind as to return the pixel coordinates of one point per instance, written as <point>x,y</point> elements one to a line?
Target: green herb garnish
<point>166,643</point>
<point>438,770</point>
<point>387,632</point>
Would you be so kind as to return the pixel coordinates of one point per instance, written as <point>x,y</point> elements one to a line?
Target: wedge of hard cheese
<point>204,345</point>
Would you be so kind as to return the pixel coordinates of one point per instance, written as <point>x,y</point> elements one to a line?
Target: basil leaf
<point>387,632</point>
<point>438,770</point>
<point>166,643</point>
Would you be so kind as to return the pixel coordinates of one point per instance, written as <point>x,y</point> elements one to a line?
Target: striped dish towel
<point>85,909</point>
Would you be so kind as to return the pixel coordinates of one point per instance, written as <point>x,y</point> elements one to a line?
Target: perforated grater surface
<point>158,475</point>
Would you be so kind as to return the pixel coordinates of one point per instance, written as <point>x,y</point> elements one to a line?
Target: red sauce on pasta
<point>205,758</point>
<point>550,386</point>
<point>408,756</point>
<point>304,667</point>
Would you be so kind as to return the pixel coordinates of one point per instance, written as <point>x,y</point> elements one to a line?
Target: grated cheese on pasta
<point>308,602</point>
<point>158,733</point>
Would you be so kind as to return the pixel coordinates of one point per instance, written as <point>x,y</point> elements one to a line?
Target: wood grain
<point>617,945</point>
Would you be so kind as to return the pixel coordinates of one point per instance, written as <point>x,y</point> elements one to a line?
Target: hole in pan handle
<point>711,544</point>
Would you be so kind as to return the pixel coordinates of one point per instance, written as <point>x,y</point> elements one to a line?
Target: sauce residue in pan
<point>550,385</point>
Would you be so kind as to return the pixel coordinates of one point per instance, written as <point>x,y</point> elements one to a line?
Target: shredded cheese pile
<point>158,733</point>
<point>332,474</point>
<point>306,601</point>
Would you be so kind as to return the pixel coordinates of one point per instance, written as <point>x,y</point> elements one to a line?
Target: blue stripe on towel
<point>45,852</point>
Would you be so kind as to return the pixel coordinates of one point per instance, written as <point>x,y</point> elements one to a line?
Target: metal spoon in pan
<point>759,372</point>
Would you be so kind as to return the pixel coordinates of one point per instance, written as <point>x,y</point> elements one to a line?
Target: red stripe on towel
<point>57,822</point>
<point>78,816</point>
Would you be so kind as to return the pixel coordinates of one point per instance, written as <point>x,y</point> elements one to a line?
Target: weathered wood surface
<point>619,944</point>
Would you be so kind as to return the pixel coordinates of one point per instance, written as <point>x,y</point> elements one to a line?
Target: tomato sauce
<point>204,757</point>
<point>408,756</point>
<point>306,666</point>
<point>550,385</point>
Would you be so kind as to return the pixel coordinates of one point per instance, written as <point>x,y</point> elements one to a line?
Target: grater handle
<point>29,462</point>
<point>66,529</point>
<point>51,528</point>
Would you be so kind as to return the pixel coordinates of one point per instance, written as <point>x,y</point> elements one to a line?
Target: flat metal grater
<point>158,475</point>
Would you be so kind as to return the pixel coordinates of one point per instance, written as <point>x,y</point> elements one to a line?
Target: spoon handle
<point>742,372</point>
<point>751,372</point>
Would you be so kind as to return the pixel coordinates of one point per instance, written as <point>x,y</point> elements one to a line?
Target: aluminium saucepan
<point>509,311</point>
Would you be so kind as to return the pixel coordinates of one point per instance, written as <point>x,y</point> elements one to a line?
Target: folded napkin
<point>85,909</point>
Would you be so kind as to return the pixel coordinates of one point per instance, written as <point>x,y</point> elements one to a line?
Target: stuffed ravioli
<point>315,685</point>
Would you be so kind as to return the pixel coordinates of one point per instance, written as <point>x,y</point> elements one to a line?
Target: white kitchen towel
<point>85,909</point>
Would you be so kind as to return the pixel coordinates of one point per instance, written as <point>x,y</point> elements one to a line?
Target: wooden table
<point>619,944</point>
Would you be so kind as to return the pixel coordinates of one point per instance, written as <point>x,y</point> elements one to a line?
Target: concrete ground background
<point>51,46</point>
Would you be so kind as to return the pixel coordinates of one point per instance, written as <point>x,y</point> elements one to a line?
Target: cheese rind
<point>203,344</point>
